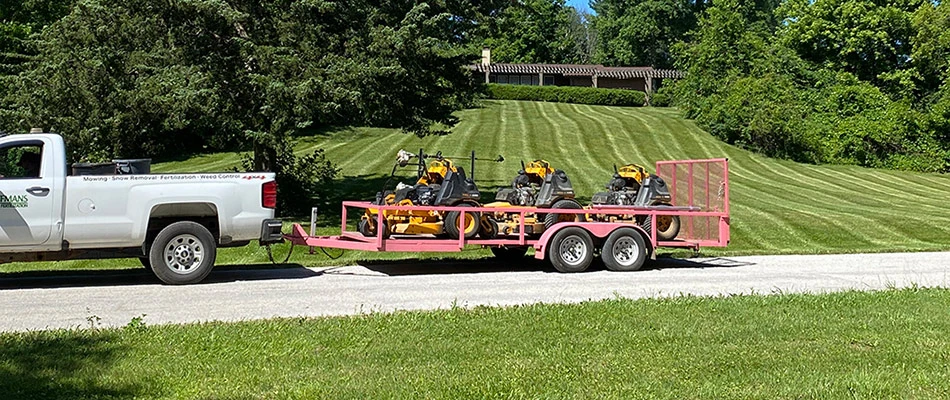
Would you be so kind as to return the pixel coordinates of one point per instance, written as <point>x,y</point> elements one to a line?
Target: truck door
<point>27,201</point>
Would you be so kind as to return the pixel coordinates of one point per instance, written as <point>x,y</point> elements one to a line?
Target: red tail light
<point>269,194</point>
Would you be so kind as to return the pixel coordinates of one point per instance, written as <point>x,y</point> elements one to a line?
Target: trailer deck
<point>699,189</point>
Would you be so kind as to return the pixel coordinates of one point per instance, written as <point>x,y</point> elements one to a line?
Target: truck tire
<point>571,250</point>
<point>624,250</point>
<point>451,223</point>
<point>563,204</point>
<point>183,253</point>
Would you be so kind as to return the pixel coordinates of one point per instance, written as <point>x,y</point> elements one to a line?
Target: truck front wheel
<point>183,253</point>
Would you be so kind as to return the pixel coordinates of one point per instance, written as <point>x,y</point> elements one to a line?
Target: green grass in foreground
<point>778,207</point>
<point>890,344</point>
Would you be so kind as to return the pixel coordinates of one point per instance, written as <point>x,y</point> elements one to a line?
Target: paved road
<point>59,300</point>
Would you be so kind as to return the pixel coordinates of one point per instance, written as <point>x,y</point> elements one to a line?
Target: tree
<point>143,78</point>
<point>867,38</point>
<point>534,31</point>
<point>931,46</point>
<point>640,32</point>
<point>582,37</point>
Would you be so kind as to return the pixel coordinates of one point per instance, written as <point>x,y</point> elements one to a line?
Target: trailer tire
<point>509,253</point>
<point>563,204</point>
<point>571,250</point>
<point>472,223</point>
<point>624,250</point>
<point>183,253</point>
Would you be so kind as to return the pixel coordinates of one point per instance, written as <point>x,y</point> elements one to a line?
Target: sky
<point>580,5</point>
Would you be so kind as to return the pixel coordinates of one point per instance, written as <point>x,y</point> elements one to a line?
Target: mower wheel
<point>667,226</point>
<point>563,204</point>
<point>367,227</point>
<point>489,228</point>
<point>471,225</point>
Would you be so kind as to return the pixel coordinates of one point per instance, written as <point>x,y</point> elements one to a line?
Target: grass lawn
<point>778,207</point>
<point>889,344</point>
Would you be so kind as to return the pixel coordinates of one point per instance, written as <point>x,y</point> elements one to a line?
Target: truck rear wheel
<point>183,253</point>
<point>571,250</point>
<point>624,250</point>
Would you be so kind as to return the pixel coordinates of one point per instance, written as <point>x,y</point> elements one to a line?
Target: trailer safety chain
<point>324,250</point>
<point>271,255</point>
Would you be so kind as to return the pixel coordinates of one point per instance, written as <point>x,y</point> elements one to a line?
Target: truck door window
<point>21,161</point>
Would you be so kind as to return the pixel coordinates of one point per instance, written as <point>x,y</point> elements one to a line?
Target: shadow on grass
<point>139,276</point>
<point>61,366</point>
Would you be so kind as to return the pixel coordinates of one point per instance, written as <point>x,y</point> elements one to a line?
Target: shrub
<point>660,99</point>
<point>567,94</point>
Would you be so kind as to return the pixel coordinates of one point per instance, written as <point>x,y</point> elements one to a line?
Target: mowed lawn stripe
<point>566,156</point>
<point>590,143</point>
<point>767,193</point>
<point>625,149</point>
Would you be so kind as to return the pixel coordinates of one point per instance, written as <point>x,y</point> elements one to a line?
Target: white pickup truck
<point>174,223</point>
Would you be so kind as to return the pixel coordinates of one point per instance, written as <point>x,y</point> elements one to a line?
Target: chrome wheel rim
<point>183,254</point>
<point>625,251</point>
<point>573,250</point>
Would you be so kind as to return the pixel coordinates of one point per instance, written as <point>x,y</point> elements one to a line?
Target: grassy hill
<point>777,206</point>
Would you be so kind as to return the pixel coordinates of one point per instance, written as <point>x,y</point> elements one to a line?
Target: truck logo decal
<point>14,201</point>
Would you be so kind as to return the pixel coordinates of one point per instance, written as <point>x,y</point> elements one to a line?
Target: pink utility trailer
<point>700,195</point>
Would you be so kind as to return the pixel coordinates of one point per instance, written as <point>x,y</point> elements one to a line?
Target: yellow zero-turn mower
<point>537,185</point>
<point>439,183</point>
<point>632,185</point>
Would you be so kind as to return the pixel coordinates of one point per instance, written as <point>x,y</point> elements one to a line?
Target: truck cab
<point>173,223</point>
<point>31,192</point>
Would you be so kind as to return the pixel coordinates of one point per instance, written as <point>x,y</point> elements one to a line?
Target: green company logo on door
<point>14,201</point>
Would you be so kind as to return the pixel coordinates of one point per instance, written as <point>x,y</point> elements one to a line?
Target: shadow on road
<point>719,262</point>
<point>490,265</point>
<point>440,267</point>
<point>139,276</point>
<point>265,272</point>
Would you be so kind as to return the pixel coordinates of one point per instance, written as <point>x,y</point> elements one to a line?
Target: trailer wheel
<point>510,253</point>
<point>183,253</point>
<point>571,250</point>
<point>471,226</point>
<point>624,250</point>
<point>563,204</point>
